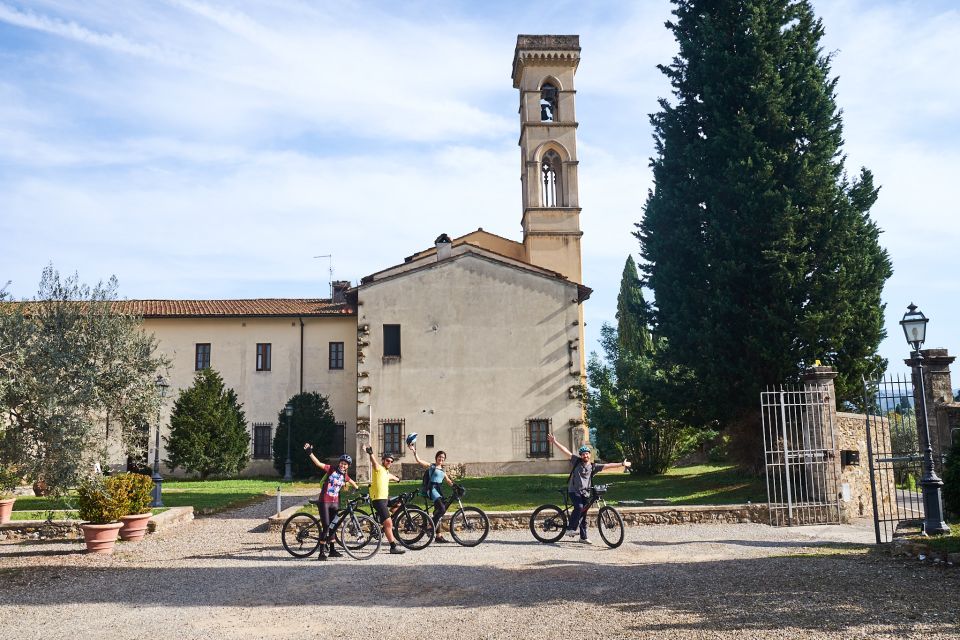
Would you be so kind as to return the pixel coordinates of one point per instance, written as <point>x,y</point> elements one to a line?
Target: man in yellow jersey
<point>380,494</point>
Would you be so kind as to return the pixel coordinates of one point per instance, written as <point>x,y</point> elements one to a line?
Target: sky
<point>200,149</point>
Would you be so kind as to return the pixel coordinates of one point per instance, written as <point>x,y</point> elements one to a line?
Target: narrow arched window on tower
<point>548,102</point>
<point>550,169</point>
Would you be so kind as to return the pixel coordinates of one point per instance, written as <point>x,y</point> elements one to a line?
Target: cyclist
<point>437,477</point>
<point>380,479</point>
<point>581,480</point>
<point>330,495</point>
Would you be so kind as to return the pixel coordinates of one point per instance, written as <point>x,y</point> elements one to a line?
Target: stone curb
<point>921,551</point>
<point>637,516</point>
<point>70,529</point>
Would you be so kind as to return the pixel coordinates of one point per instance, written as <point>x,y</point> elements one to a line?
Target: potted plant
<point>9,479</point>
<point>101,510</point>
<point>133,489</point>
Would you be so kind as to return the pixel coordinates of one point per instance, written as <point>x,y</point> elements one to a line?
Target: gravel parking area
<point>229,577</point>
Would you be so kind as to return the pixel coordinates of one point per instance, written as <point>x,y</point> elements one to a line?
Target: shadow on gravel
<point>816,593</point>
<point>765,544</point>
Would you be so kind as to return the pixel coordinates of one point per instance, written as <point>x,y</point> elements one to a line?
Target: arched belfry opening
<point>551,175</point>
<point>549,97</point>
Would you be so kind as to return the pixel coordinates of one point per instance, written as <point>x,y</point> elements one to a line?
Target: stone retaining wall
<point>636,516</point>
<point>70,529</point>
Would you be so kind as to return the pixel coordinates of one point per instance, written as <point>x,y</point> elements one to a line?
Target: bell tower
<point>543,70</point>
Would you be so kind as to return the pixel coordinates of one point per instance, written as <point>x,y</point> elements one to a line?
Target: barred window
<point>263,356</point>
<point>336,355</point>
<point>202,360</point>
<point>262,440</point>
<point>537,431</point>
<point>391,437</point>
<point>340,437</point>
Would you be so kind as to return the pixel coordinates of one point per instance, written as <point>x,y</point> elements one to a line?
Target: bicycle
<point>469,526</point>
<point>412,526</point>
<point>357,533</point>
<point>549,522</point>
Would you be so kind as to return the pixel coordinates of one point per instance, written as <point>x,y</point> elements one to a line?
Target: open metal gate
<point>893,447</point>
<point>799,455</point>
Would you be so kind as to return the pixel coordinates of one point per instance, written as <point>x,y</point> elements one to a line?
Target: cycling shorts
<point>380,507</point>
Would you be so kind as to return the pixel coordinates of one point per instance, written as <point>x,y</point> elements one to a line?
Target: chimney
<point>444,246</point>
<point>340,290</point>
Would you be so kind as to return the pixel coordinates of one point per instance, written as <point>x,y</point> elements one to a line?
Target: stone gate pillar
<point>942,411</point>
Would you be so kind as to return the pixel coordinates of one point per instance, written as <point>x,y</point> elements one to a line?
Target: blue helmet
<point>346,458</point>
<point>583,449</point>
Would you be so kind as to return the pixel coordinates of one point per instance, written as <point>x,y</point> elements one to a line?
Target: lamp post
<point>162,386</point>
<point>288,411</point>
<point>914,325</point>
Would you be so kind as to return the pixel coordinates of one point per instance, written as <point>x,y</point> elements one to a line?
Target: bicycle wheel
<point>413,528</point>
<point>548,523</point>
<point>359,536</point>
<point>469,526</point>
<point>611,527</point>
<point>301,535</point>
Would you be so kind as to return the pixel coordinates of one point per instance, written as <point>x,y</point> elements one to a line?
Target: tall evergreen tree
<point>208,429</point>
<point>760,251</point>
<point>312,421</point>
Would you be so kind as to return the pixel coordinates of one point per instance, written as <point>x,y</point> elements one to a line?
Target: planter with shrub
<point>133,489</point>
<point>9,479</point>
<point>102,510</point>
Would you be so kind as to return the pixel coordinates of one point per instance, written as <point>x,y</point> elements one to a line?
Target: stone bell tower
<point>543,71</point>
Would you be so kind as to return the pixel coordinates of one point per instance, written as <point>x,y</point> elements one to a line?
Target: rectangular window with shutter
<point>262,441</point>
<point>537,431</point>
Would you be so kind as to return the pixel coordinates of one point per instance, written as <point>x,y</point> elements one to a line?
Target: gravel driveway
<point>228,577</point>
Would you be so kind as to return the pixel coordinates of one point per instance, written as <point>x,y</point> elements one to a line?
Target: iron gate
<point>801,469</point>
<point>893,447</point>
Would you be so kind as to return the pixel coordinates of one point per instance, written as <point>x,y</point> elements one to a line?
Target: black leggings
<point>328,510</point>
<point>439,508</point>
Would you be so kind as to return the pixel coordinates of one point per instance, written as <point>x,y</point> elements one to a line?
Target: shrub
<point>9,480</point>
<point>951,479</point>
<point>97,504</point>
<point>133,490</point>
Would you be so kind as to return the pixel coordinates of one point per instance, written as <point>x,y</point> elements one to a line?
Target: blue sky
<point>210,150</point>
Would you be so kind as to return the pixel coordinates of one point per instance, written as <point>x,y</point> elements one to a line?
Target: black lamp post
<point>162,386</point>
<point>914,325</point>
<point>288,411</point>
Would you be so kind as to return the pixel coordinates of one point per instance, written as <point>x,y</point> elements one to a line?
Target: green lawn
<point>949,543</point>
<point>205,496</point>
<point>704,484</point>
<point>55,515</point>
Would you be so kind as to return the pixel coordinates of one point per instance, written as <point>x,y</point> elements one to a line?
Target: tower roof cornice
<point>544,50</point>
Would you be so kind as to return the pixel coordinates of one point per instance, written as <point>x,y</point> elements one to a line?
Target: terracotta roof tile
<point>234,308</point>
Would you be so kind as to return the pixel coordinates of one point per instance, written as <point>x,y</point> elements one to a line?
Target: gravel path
<point>228,577</point>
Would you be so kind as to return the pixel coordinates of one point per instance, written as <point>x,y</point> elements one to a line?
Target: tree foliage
<point>312,421</point>
<point>951,480</point>
<point>76,377</point>
<point>630,387</point>
<point>208,429</point>
<point>760,250</point>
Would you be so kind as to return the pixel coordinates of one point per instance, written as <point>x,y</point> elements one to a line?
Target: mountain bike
<point>356,532</point>
<point>549,522</point>
<point>469,526</point>
<point>412,526</point>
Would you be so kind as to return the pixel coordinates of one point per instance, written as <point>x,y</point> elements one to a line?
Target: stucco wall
<point>263,393</point>
<point>484,347</point>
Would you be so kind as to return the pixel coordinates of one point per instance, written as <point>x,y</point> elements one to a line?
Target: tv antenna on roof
<point>329,257</point>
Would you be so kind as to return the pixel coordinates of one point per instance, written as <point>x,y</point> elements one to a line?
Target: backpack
<point>426,483</point>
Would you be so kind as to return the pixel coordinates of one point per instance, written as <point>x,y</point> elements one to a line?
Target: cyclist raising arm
<point>581,480</point>
<point>380,479</point>
<point>330,494</point>
<point>437,478</point>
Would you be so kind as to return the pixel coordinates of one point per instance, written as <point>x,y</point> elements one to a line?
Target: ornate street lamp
<point>914,325</point>
<point>162,386</point>
<point>288,411</point>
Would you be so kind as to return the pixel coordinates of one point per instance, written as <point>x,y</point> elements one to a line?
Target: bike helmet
<point>583,449</point>
<point>412,438</point>
<point>346,458</point>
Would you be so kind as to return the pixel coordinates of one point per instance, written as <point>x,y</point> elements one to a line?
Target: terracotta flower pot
<point>134,526</point>
<point>100,538</point>
<point>6,508</point>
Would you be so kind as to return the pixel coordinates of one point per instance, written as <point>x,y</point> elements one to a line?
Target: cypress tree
<point>759,249</point>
